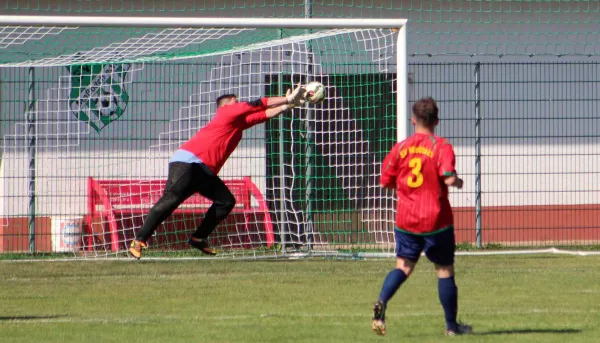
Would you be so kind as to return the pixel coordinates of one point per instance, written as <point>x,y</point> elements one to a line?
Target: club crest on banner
<point>98,95</point>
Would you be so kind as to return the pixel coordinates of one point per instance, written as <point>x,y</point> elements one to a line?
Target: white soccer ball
<point>315,92</point>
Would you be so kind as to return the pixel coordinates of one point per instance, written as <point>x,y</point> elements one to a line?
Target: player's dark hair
<point>224,97</point>
<point>426,112</point>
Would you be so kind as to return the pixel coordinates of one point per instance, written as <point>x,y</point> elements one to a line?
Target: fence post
<point>477,156</point>
<point>31,150</point>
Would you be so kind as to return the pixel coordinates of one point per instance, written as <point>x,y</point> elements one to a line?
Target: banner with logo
<point>98,94</point>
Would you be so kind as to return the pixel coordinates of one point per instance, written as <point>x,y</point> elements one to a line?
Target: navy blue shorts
<point>438,247</point>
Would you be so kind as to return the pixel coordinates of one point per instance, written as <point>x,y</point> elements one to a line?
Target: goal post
<point>202,22</point>
<point>116,96</point>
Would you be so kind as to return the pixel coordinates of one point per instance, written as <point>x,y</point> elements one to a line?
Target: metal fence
<point>526,136</point>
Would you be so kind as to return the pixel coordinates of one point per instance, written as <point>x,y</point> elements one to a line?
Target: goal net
<point>92,114</point>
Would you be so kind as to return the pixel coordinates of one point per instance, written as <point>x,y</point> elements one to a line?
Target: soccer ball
<point>315,92</point>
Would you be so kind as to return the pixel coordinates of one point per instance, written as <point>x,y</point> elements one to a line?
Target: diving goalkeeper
<point>195,166</point>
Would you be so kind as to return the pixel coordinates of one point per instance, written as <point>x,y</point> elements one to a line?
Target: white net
<point>18,35</point>
<point>131,49</point>
<point>105,133</point>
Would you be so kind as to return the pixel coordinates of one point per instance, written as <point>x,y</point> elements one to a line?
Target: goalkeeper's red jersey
<point>215,142</point>
<point>416,168</point>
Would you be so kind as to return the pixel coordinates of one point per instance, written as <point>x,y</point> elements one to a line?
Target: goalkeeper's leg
<point>179,187</point>
<point>408,251</point>
<point>212,187</point>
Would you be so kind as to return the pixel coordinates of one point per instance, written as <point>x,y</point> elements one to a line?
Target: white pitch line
<point>366,256</point>
<point>233,318</point>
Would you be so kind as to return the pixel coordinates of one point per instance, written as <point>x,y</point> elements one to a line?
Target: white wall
<point>511,175</point>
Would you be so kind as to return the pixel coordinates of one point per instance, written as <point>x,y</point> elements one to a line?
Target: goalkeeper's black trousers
<point>183,181</point>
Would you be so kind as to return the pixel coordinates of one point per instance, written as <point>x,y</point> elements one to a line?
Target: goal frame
<point>398,26</point>
<point>214,22</point>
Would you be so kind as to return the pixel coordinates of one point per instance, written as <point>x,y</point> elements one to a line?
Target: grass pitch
<point>505,298</point>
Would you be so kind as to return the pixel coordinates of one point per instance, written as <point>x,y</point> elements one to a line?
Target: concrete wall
<point>540,124</point>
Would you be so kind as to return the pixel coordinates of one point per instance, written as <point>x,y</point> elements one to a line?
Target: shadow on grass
<point>527,331</point>
<point>24,318</point>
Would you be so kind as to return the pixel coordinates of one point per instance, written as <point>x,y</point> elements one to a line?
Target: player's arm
<point>265,104</point>
<point>274,112</point>
<point>254,111</point>
<point>262,116</point>
<point>276,106</point>
<point>276,101</point>
<point>453,181</point>
<point>292,97</point>
<point>447,166</point>
<point>390,167</point>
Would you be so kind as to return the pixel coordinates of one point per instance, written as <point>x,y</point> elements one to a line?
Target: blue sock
<point>392,282</point>
<point>448,293</point>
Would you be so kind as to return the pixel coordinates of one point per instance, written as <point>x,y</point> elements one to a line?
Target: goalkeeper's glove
<point>296,97</point>
<point>288,106</point>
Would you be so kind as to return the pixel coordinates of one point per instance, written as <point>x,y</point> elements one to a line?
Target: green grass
<point>506,298</point>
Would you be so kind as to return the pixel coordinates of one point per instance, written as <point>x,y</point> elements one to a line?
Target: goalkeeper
<point>194,167</point>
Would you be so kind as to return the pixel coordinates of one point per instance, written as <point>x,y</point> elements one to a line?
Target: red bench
<point>113,199</point>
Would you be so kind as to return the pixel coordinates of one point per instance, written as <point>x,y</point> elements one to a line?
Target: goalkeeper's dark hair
<point>223,97</point>
<point>426,112</point>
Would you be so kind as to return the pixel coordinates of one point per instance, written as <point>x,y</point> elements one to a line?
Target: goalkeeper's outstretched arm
<point>278,105</point>
<point>295,98</point>
<point>276,101</point>
<point>275,111</point>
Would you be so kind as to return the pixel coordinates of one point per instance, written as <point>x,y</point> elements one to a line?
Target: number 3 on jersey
<point>416,179</point>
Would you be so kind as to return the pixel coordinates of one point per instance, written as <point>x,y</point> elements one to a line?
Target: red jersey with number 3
<point>416,168</point>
